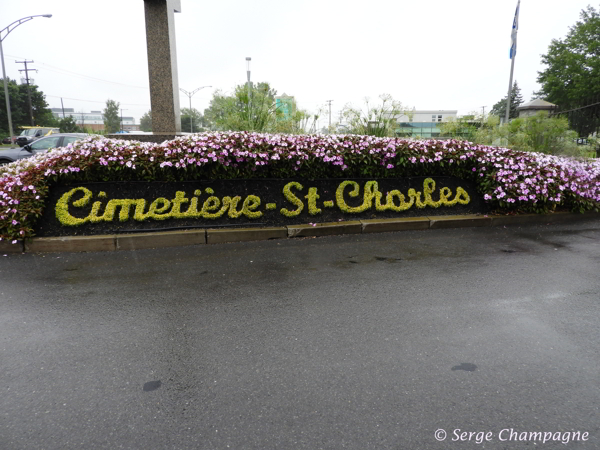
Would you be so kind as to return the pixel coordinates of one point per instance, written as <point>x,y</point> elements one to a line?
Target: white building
<point>93,120</point>
<point>429,116</point>
<point>423,123</point>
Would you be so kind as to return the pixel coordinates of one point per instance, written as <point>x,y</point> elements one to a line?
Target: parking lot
<point>358,342</point>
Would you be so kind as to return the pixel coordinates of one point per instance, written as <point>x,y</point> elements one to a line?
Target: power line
<point>94,101</point>
<point>69,72</point>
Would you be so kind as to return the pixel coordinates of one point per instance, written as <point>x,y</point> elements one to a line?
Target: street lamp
<point>248,59</point>
<point>190,94</point>
<point>8,29</point>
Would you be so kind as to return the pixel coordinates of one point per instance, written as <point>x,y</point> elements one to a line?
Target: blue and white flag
<point>513,34</point>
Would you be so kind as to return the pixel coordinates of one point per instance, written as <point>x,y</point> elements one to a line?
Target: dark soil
<point>269,191</point>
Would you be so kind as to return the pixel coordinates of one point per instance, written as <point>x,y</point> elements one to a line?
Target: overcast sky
<point>428,54</point>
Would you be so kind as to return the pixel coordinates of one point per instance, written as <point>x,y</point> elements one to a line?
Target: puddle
<point>468,367</point>
<point>152,385</point>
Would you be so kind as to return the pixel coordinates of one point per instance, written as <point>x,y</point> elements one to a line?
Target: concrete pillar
<point>162,64</point>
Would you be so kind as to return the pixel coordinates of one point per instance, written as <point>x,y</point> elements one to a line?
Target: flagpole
<point>512,68</point>
<point>513,55</point>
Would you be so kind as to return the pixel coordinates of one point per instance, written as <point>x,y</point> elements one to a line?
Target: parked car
<point>31,134</point>
<point>7,140</point>
<point>42,145</point>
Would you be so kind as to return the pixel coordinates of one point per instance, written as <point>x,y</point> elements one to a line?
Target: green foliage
<point>238,112</point>
<point>539,133</point>
<point>297,123</point>
<point>516,99</point>
<point>460,127</point>
<point>146,121</point>
<point>68,125</point>
<point>191,120</point>
<point>572,73</point>
<point>379,120</point>
<point>19,107</point>
<point>112,121</point>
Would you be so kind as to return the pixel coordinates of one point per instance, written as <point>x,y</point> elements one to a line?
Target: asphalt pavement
<point>436,339</point>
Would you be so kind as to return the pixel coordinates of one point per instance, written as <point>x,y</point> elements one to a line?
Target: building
<point>424,123</point>
<point>93,120</point>
<point>286,104</point>
<point>535,106</point>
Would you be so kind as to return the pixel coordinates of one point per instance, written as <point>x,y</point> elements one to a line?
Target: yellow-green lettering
<point>250,204</point>
<point>312,201</point>
<point>290,197</point>
<point>62,207</point>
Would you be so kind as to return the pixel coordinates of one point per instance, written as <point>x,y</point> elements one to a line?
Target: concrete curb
<point>100,243</point>
<point>325,229</point>
<point>384,225</point>
<point>158,240</point>
<point>218,236</point>
<point>9,247</point>
<point>465,221</point>
<point>138,241</point>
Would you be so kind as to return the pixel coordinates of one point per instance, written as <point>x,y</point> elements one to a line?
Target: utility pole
<point>329,101</point>
<point>63,107</point>
<point>482,115</point>
<point>26,70</point>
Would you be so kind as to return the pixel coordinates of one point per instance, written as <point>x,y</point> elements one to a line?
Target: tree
<point>463,127</point>
<point>146,121</point>
<point>112,122</point>
<point>68,125</point>
<point>516,99</point>
<point>572,75</point>
<point>379,120</point>
<point>19,107</point>
<point>539,133</point>
<point>196,122</point>
<point>236,113</point>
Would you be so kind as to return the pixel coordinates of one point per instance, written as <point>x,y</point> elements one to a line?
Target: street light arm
<point>190,94</point>
<point>16,23</point>
<point>201,87</point>
<point>8,29</point>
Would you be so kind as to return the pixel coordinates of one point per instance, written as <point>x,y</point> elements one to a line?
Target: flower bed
<point>508,180</point>
<point>130,206</point>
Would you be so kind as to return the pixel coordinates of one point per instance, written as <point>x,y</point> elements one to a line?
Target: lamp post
<point>190,94</point>
<point>248,59</point>
<point>8,29</point>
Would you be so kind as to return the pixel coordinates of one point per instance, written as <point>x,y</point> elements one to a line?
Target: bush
<point>539,133</point>
<point>508,180</point>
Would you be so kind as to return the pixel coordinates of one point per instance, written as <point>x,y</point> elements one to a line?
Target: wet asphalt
<point>344,342</point>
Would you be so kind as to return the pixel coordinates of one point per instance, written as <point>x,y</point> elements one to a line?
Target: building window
<point>439,118</point>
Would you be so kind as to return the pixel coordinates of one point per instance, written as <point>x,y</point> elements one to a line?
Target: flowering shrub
<point>507,179</point>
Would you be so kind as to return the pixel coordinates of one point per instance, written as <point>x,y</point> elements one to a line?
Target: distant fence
<point>583,119</point>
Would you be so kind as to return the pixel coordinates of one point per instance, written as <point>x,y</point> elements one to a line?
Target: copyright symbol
<point>440,434</point>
